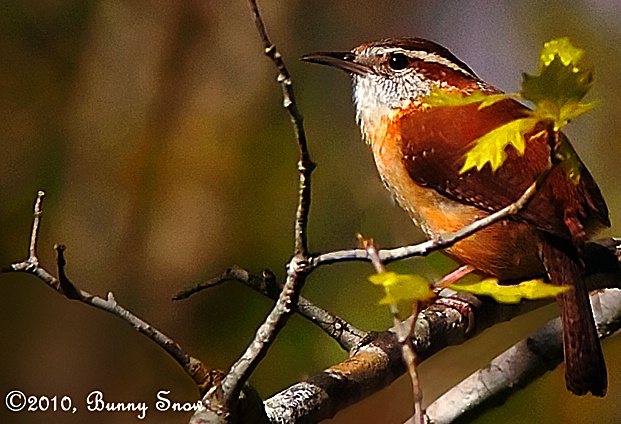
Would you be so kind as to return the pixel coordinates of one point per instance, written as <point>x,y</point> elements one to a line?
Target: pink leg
<point>453,276</point>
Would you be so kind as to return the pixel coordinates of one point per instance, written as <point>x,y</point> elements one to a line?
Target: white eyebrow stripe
<point>430,57</point>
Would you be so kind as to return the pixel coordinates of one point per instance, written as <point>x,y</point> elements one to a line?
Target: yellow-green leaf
<point>561,47</point>
<point>439,97</point>
<point>491,147</point>
<point>560,83</point>
<point>494,98</point>
<point>533,289</point>
<point>399,287</point>
<point>556,91</point>
<point>548,110</point>
<point>556,83</point>
<point>571,110</point>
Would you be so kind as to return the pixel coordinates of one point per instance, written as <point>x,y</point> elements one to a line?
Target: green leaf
<point>557,83</point>
<point>399,287</point>
<point>560,84</point>
<point>494,98</point>
<point>533,289</point>
<point>573,109</point>
<point>491,147</point>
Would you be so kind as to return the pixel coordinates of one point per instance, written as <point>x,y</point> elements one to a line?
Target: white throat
<point>377,98</point>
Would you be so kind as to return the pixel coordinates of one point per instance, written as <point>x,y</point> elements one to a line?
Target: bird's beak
<point>341,60</point>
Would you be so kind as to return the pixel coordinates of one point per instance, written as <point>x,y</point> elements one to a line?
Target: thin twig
<point>297,269</point>
<point>32,249</point>
<point>441,242</point>
<point>348,336</point>
<point>192,366</point>
<point>305,164</point>
<point>231,274</point>
<point>404,336</point>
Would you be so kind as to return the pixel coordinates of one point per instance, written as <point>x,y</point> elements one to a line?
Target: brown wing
<point>433,156</point>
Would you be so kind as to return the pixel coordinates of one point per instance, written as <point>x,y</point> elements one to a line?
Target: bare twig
<point>404,335</point>
<point>192,366</point>
<point>438,243</point>
<point>297,269</point>
<point>234,273</point>
<point>409,356</point>
<point>32,249</point>
<point>453,276</point>
<point>337,328</point>
<point>305,164</point>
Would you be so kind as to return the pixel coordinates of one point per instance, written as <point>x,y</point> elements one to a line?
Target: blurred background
<point>157,131</point>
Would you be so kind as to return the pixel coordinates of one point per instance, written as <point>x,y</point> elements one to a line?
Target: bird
<point>419,150</point>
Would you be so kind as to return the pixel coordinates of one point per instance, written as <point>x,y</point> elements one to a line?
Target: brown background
<point>155,128</point>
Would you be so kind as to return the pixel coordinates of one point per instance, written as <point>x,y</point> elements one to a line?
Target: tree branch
<point>441,242</point>
<point>518,366</point>
<point>447,322</point>
<point>305,164</point>
<point>348,336</point>
<point>201,375</point>
<point>297,269</point>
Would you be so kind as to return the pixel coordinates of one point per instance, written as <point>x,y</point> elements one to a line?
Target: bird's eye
<point>398,61</point>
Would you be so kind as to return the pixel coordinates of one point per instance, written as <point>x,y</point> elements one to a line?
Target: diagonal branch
<point>337,328</point>
<point>192,366</point>
<point>441,242</point>
<point>447,322</point>
<point>516,367</point>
